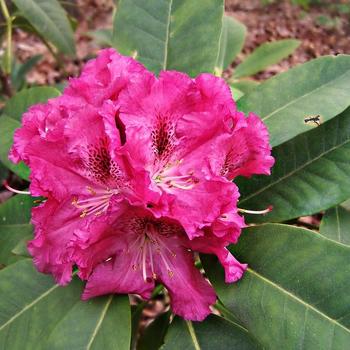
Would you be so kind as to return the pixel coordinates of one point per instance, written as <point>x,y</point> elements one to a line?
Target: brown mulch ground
<point>279,20</point>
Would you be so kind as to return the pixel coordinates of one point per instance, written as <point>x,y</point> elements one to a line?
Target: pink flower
<point>146,250</point>
<point>191,139</point>
<point>137,172</point>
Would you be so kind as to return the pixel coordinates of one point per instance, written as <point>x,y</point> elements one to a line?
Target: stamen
<point>161,243</point>
<point>96,204</point>
<point>144,271</point>
<point>170,272</point>
<point>177,185</point>
<point>256,212</point>
<point>8,187</point>
<point>154,276</point>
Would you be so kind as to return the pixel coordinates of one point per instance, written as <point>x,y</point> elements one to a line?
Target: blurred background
<point>322,26</point>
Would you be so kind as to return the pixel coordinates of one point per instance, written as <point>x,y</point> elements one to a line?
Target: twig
<point>8,18</point>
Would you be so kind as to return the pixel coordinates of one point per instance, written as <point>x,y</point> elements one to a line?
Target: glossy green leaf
<point>178,35</point>
<point>20,249</point>
<point>10,121</point>
<point>101,323</point>
<point>236,94</point>
<point>311,174</point>
<point>20,70</point>
<point>231,42</point>
<point>319,87</point>
<point>7,129</point>
<point>102,36</point>
<point>50,20</point>
<point>14,226</point>
<point>3,172</point>
<point>335,224</point>
<point>153,336</point>
<point>213,333</point>
<point>31,305</point>
<point>36,314</point>
<point>265,55</point>
<point>19,104</point>
<point>295,293</point>
<point>16,210</point>
<point>10,236</point>
<point>244,85</point>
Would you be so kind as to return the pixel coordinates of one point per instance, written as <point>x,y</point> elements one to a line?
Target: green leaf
<point>21,247</point>
<point>14,226</point>
<point>20,70</point>
<point>16,210</point>
<point>102,36</point>
<point>311,174</point>
<point>236,94</point>
<point>335,225</point>
<point>153,336</point>
<point>7,129</point>
<point>179,35</point>
<point>20,103</point>
<point>295,293</point>
<point>213,333</point>
<point>244,85</point>
<point>3,172</point>
<point>50,20</point>
<point>36,314</point>
<point>10,121</point>
<point>265,55</point>
<point>319,87</point>
<point>10,236</point>
<point>100,323</point>
<point>231,42</point>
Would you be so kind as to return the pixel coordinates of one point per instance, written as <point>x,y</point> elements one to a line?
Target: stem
<point>8,18</point>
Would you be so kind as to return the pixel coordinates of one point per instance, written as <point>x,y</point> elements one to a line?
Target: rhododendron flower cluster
<point>137,171</point>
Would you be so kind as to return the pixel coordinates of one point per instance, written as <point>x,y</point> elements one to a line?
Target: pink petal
<point>103,78</point>
<point>116,276</point>
<point>54,225</point>
<point>244,152</point>
<point>191,295</point>
<point>209,244</point>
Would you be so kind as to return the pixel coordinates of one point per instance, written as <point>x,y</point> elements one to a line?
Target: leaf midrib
<point>167,35</point>
<point>193,335</point>
<point>286,292</point>
<point>294,171</point>
<point>28,306</point>
<point>99,322</point>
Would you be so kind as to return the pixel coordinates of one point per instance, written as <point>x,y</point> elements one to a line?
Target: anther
<point>91,190</point>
